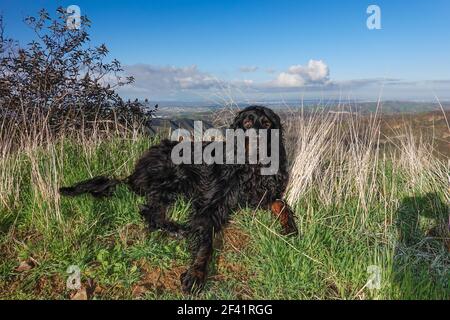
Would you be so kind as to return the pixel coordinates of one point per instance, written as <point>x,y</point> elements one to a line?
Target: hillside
<point>361,212</point>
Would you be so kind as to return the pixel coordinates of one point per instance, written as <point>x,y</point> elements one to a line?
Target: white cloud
<point>169,78</point>
<point>316,72</point>
<point>286,79</point>
<point>162,82</point>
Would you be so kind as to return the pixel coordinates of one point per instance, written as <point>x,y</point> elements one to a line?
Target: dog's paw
<point>153,219</point>
<point>290,229</point>
<point>178,235</point>
<point>193,280</point>
<point>290,232</point>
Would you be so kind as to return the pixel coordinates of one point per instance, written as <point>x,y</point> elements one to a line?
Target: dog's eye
<point>265,123</point>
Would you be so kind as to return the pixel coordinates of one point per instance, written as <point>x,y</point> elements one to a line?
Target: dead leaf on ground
<point>81,294</point>
<point>25,266</point>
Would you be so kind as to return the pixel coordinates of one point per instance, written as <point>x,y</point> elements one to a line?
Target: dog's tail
<point>98,187</point>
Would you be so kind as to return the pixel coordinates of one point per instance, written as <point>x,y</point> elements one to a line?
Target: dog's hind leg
<point>155,215</point>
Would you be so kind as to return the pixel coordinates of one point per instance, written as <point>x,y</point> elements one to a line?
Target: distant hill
<point>198,110</point>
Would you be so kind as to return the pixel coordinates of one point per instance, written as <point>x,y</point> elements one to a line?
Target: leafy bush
<point>61,76</point>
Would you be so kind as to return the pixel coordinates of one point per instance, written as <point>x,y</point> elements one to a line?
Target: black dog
<point>216,191</point>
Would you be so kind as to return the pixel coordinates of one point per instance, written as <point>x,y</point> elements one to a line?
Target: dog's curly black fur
<point>216,192</point>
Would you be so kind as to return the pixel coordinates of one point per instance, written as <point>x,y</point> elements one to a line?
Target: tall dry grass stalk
<point>32,159</point>
<point>338,156</point>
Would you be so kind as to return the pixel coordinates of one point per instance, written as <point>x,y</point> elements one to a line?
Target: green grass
<point>108,241</point>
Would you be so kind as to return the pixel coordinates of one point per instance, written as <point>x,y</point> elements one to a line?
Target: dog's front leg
<point>209,218</point>
<point>286,217</point>
<point>202,234</point>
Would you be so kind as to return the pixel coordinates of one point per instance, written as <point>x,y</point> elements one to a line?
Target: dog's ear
<point>237,119</point>
<point>273,117</point>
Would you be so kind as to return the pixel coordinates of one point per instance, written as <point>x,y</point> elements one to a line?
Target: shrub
<point>61,76</point>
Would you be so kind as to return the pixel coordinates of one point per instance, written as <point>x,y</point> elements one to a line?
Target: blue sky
<point>267,49</point>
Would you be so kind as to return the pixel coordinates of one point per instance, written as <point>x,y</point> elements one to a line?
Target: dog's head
<point>260,118</point>
<point>256,117</point>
